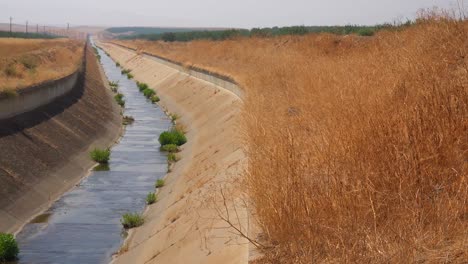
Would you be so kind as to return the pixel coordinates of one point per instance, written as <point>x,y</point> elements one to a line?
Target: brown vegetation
<point>357,146</point>
<point>26,62</point>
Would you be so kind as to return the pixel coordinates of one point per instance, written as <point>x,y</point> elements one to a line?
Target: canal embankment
<point>199,209</point>
<point>45,144</point>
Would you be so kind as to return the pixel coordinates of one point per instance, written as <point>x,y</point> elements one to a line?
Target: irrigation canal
<point>83,226</point>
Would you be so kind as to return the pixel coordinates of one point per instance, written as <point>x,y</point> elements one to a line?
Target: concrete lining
<point>199,73</point>
<point>33,97</point>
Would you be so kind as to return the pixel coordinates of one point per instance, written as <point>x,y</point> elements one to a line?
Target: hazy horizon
<point>210,13</point>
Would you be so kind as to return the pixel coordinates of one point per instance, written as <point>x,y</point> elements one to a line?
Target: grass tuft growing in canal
<point>160,183</point>
<point>172,157</point>
<point>131,220</point>
<point>172,148</point>
<point>100,155</point>
<point>155,99</point>
<point>142,86</point>
<point>151,198</point>
<point>128,120</point>
<point>148,93</point>
<point>119,99</point>
<point>8,248</point>
<point>174,136</point>
<point>174,117</point>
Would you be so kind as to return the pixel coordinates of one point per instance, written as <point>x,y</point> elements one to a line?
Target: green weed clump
<point>155,99</point>
<point>129,76</point>
<point>174,137</point>
<point>172,157</point>
<point>114,86</point>
<point>151,198</point>
<point>142,86</point>
<point>117,64</point>
<point>148,93</point>
<point>8,248</point>
<point>170,148</point>
<point>174,117</point>
<point>125,71</point>
<point>160,183</point>
<point>100,155</point>
<point>119,99</point>
<point>130,220</point>
<point>128,120</point>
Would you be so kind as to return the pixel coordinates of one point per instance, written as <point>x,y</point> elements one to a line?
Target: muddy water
<point>83,226</point>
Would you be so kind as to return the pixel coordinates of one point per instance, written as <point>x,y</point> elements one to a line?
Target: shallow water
<point>83,226</point>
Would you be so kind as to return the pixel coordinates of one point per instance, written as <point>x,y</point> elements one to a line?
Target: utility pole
<point>26,27</point>
<point>37,28</point>
<point>11,20</point>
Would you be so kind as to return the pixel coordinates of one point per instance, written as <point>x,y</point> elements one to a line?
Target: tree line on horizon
<point>8,34</point>
<point>184,36</point>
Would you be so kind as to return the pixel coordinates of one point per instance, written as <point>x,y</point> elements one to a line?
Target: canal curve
<point>83,226</point>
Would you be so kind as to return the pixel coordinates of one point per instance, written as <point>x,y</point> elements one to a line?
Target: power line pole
<point>26,27</point>
<point>37,28</point>
<point>11,20</point>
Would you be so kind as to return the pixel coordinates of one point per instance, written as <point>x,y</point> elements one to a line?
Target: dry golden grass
<point>25,62</point>
<point>357,147</point>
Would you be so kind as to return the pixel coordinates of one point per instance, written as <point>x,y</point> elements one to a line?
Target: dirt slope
<point>184,226</point>
<point>27,62</point>
<point>45,152</point>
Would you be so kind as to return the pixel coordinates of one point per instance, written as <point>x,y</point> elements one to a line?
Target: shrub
<point>172,137</point>
<point>170,148</point>
<point>119,99</point>
<point>8,247</point>
<point>151,198</point>
<point>155,99</point>
<point>160,183</point>
<point>148,93</point>
<point>117,64</point>
<point>125,71</point>
<point>129,76</point>
<point>130,220</point>
<point>142,86</point>
<point>100,155</point>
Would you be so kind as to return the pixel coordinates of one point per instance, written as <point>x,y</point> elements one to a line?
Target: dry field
<point>25,62</point>
<point>357,146</point>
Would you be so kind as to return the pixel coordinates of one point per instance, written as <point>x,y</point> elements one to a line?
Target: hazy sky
<point>212,13</point>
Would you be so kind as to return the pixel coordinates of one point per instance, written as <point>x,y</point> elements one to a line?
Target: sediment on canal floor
<point>185,225</point>
<point>44,152</point>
